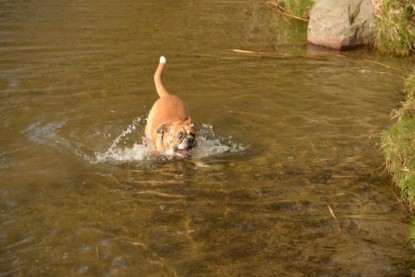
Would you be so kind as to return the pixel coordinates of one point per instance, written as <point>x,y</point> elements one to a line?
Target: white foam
<point>115,152</point>
<point>162,59</point>
<point>138,152</point>
<point>208,144</point>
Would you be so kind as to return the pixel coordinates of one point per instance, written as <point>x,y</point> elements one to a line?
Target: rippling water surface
<point>287,177</point>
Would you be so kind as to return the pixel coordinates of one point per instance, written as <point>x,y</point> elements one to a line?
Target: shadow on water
<point>287,178</point>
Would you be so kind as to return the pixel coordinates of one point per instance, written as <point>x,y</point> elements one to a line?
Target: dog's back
<point>168,107</point>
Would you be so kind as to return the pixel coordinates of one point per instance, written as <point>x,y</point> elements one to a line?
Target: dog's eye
<point>180,135</point>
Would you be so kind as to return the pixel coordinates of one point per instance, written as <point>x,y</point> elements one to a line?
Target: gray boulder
<point>342,24</point>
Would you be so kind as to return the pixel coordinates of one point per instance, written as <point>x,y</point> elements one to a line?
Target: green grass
<point>396,27</point>
<point>398,144</point>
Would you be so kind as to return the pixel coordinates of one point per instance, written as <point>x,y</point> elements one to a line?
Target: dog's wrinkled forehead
<point>181,128</point>
<point>177,127</point>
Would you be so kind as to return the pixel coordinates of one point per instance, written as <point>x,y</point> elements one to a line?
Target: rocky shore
<point>342,24</point>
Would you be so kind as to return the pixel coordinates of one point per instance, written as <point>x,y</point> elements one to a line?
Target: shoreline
<point>395,35</point>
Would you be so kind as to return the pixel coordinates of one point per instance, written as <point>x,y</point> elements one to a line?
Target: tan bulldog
<point>169,129</point>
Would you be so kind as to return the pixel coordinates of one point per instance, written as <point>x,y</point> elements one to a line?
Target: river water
<point>287,177</point>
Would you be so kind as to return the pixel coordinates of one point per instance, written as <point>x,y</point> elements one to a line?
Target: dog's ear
<point>187,121</point>
<point>162,128</point>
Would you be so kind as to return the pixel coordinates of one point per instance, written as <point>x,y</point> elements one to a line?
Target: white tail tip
<point>162,59</point>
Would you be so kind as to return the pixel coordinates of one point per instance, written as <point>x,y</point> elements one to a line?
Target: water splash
<point>125,148</point>
<point>117,153</point>
<point>209,144</point>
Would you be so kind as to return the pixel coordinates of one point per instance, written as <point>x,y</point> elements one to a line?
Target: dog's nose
<point>191,141</point>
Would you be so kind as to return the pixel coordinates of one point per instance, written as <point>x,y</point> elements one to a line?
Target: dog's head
<point>176,138</point>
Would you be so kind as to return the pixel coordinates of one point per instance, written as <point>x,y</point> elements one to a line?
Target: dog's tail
<point>157,78</point>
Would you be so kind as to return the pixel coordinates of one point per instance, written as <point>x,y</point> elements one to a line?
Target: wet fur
<point>169,129</point>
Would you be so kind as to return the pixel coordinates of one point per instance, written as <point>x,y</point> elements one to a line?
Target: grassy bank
<point>395,26</point>
<point>398,144</point>
<point>396,35</point>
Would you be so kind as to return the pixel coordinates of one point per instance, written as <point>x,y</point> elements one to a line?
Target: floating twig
<point>250,52</point>
<point>153,192</point>
<point>244,51</point>
<point>307,254</point>
<point>346,176</point>
<point>97,252</point>
<point>137,243</point>
<point>335,218</point>
<point>382,64</point>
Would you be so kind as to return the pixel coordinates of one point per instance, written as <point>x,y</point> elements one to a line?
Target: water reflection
<point>288,184</point>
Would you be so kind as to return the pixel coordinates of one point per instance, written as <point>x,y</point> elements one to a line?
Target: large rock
<point>342,24</point>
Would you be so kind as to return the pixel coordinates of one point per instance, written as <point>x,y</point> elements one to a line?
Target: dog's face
<point>176,138</point>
